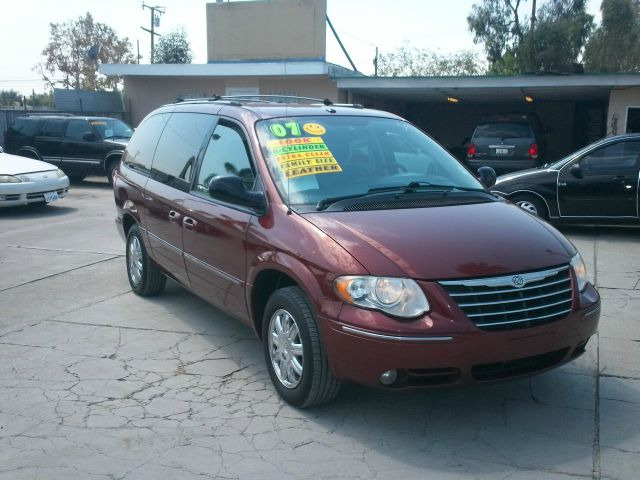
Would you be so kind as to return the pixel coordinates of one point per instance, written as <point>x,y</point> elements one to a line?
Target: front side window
<point>313,158</point>
<point>111,128</point>
<point>227,154</point>
<point>614,159</point>
<point>178,148</point>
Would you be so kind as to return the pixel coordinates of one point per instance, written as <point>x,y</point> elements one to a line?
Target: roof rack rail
<point>348,105</point>
<point>49,114</point>
<point>323,101</point>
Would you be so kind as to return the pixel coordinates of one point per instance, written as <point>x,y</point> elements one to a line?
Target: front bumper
<point>23,193</point>
<point>435,351</point>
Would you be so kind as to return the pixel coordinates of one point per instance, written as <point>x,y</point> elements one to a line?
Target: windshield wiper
<point>413,186</point>
<point>409,188</point>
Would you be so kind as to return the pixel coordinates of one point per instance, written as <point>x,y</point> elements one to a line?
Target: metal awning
<point>577,87</point>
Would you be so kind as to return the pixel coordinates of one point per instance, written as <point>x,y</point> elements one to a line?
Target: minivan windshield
<point>315,159</point>
<point>111,128</point>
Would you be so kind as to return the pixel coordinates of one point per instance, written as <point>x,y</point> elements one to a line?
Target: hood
<point>525,175</point>
<point>117,141</point>
<point>446,242</point>
<point>15,165</point>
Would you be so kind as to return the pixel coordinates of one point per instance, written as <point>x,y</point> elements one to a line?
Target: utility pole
<point>533,15</point>
<point>155,22</point>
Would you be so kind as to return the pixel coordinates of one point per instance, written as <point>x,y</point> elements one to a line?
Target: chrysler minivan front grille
<point>516,300</point>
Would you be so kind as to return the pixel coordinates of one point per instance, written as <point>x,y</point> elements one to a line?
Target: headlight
<point>580,270</point>
<point>60,173</point>
<point>9,179</point>
<point>401,297</point>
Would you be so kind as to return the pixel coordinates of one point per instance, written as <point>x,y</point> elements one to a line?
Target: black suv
<point>507,142</point>
<point>79,146</point>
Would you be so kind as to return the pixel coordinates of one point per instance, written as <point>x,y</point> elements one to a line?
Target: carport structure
<point>573,109</point>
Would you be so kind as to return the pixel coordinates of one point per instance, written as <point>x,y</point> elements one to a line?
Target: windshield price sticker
<point>302,156</point>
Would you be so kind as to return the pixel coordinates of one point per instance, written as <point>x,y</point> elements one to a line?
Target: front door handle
<point>562,184</point>
<point>619,178</point>
<point>173,216</point>
<point>189,223</point>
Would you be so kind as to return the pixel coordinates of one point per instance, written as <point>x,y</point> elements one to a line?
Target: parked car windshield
<point>315,158</point>
<point>503,130</point>
<point>111,128</point>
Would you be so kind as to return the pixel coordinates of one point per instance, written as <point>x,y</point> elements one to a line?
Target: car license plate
<point>502,151</point>
<point>50,196</point>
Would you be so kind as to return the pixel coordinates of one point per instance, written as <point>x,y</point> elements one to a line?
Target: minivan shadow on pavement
<point>544,424</point>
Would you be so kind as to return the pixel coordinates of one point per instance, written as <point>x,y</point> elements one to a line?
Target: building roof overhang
<point>491,88</point>
<point>275,68</point>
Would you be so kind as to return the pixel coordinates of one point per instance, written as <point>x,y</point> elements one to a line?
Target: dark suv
<point>355,246</point>
<point>507,142</point>
<point>79,146</point>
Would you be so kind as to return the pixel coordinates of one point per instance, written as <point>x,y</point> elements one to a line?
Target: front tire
<point>294,353</point>
<point>110,170</point>
<point>144,277</point>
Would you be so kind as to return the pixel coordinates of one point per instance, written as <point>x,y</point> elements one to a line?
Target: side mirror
<point>575,170</point>
<point>487,176</point>
<point>231,189</point>
<point>89,137</point>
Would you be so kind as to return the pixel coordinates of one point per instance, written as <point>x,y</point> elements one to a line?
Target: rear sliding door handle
<point>189,223</point>
<point>562,184</point>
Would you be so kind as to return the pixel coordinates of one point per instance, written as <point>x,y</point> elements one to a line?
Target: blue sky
<point>362,24</point>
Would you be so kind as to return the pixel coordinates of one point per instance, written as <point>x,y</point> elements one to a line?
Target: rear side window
<point>178,148</point>
<point>24,127</point>
<point>503,130</point>
<point>140,150</point>
<point>53,128</point>
<point>76,129</point>
<point>227,154</point>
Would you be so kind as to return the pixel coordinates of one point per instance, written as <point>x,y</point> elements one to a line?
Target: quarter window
<point>142,146</point>
<point>178,148</point>
<point>227,154</point>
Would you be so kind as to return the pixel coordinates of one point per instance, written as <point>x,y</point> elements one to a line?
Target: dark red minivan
<point>355,246</point>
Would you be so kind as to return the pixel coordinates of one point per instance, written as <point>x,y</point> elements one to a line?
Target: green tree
<point>66,56</point>
<point>615,45</point>
<point>557,40</point>
<point>496,24</point>
<point>409,61</point>
<point>515,44</point>
<point>173,48</point>
<point>9,98</point>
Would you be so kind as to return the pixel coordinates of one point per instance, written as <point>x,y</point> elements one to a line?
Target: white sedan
<point>24,180</point>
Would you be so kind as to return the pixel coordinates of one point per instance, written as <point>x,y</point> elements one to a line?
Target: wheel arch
<point>525,192</point>
<point>280,271</point>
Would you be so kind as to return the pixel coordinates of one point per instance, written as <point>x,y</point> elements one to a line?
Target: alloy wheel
<point>285,348</point>
<point>135,260</point>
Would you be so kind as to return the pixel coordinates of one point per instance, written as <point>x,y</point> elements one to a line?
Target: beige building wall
<point>144,94</point>
<point>266,29</point>
<point>619,101</point>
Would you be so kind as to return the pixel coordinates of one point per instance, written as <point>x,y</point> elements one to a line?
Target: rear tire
<point>532,205</point>
<point>295,356</point>
<point>144,276</point>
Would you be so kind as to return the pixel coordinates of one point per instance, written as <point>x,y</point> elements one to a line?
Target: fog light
<point>389,377</point>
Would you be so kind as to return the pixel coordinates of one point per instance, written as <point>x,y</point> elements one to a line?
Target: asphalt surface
<point>97,383</point>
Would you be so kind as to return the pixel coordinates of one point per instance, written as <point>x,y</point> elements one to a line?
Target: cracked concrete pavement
<point>98,383</point>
